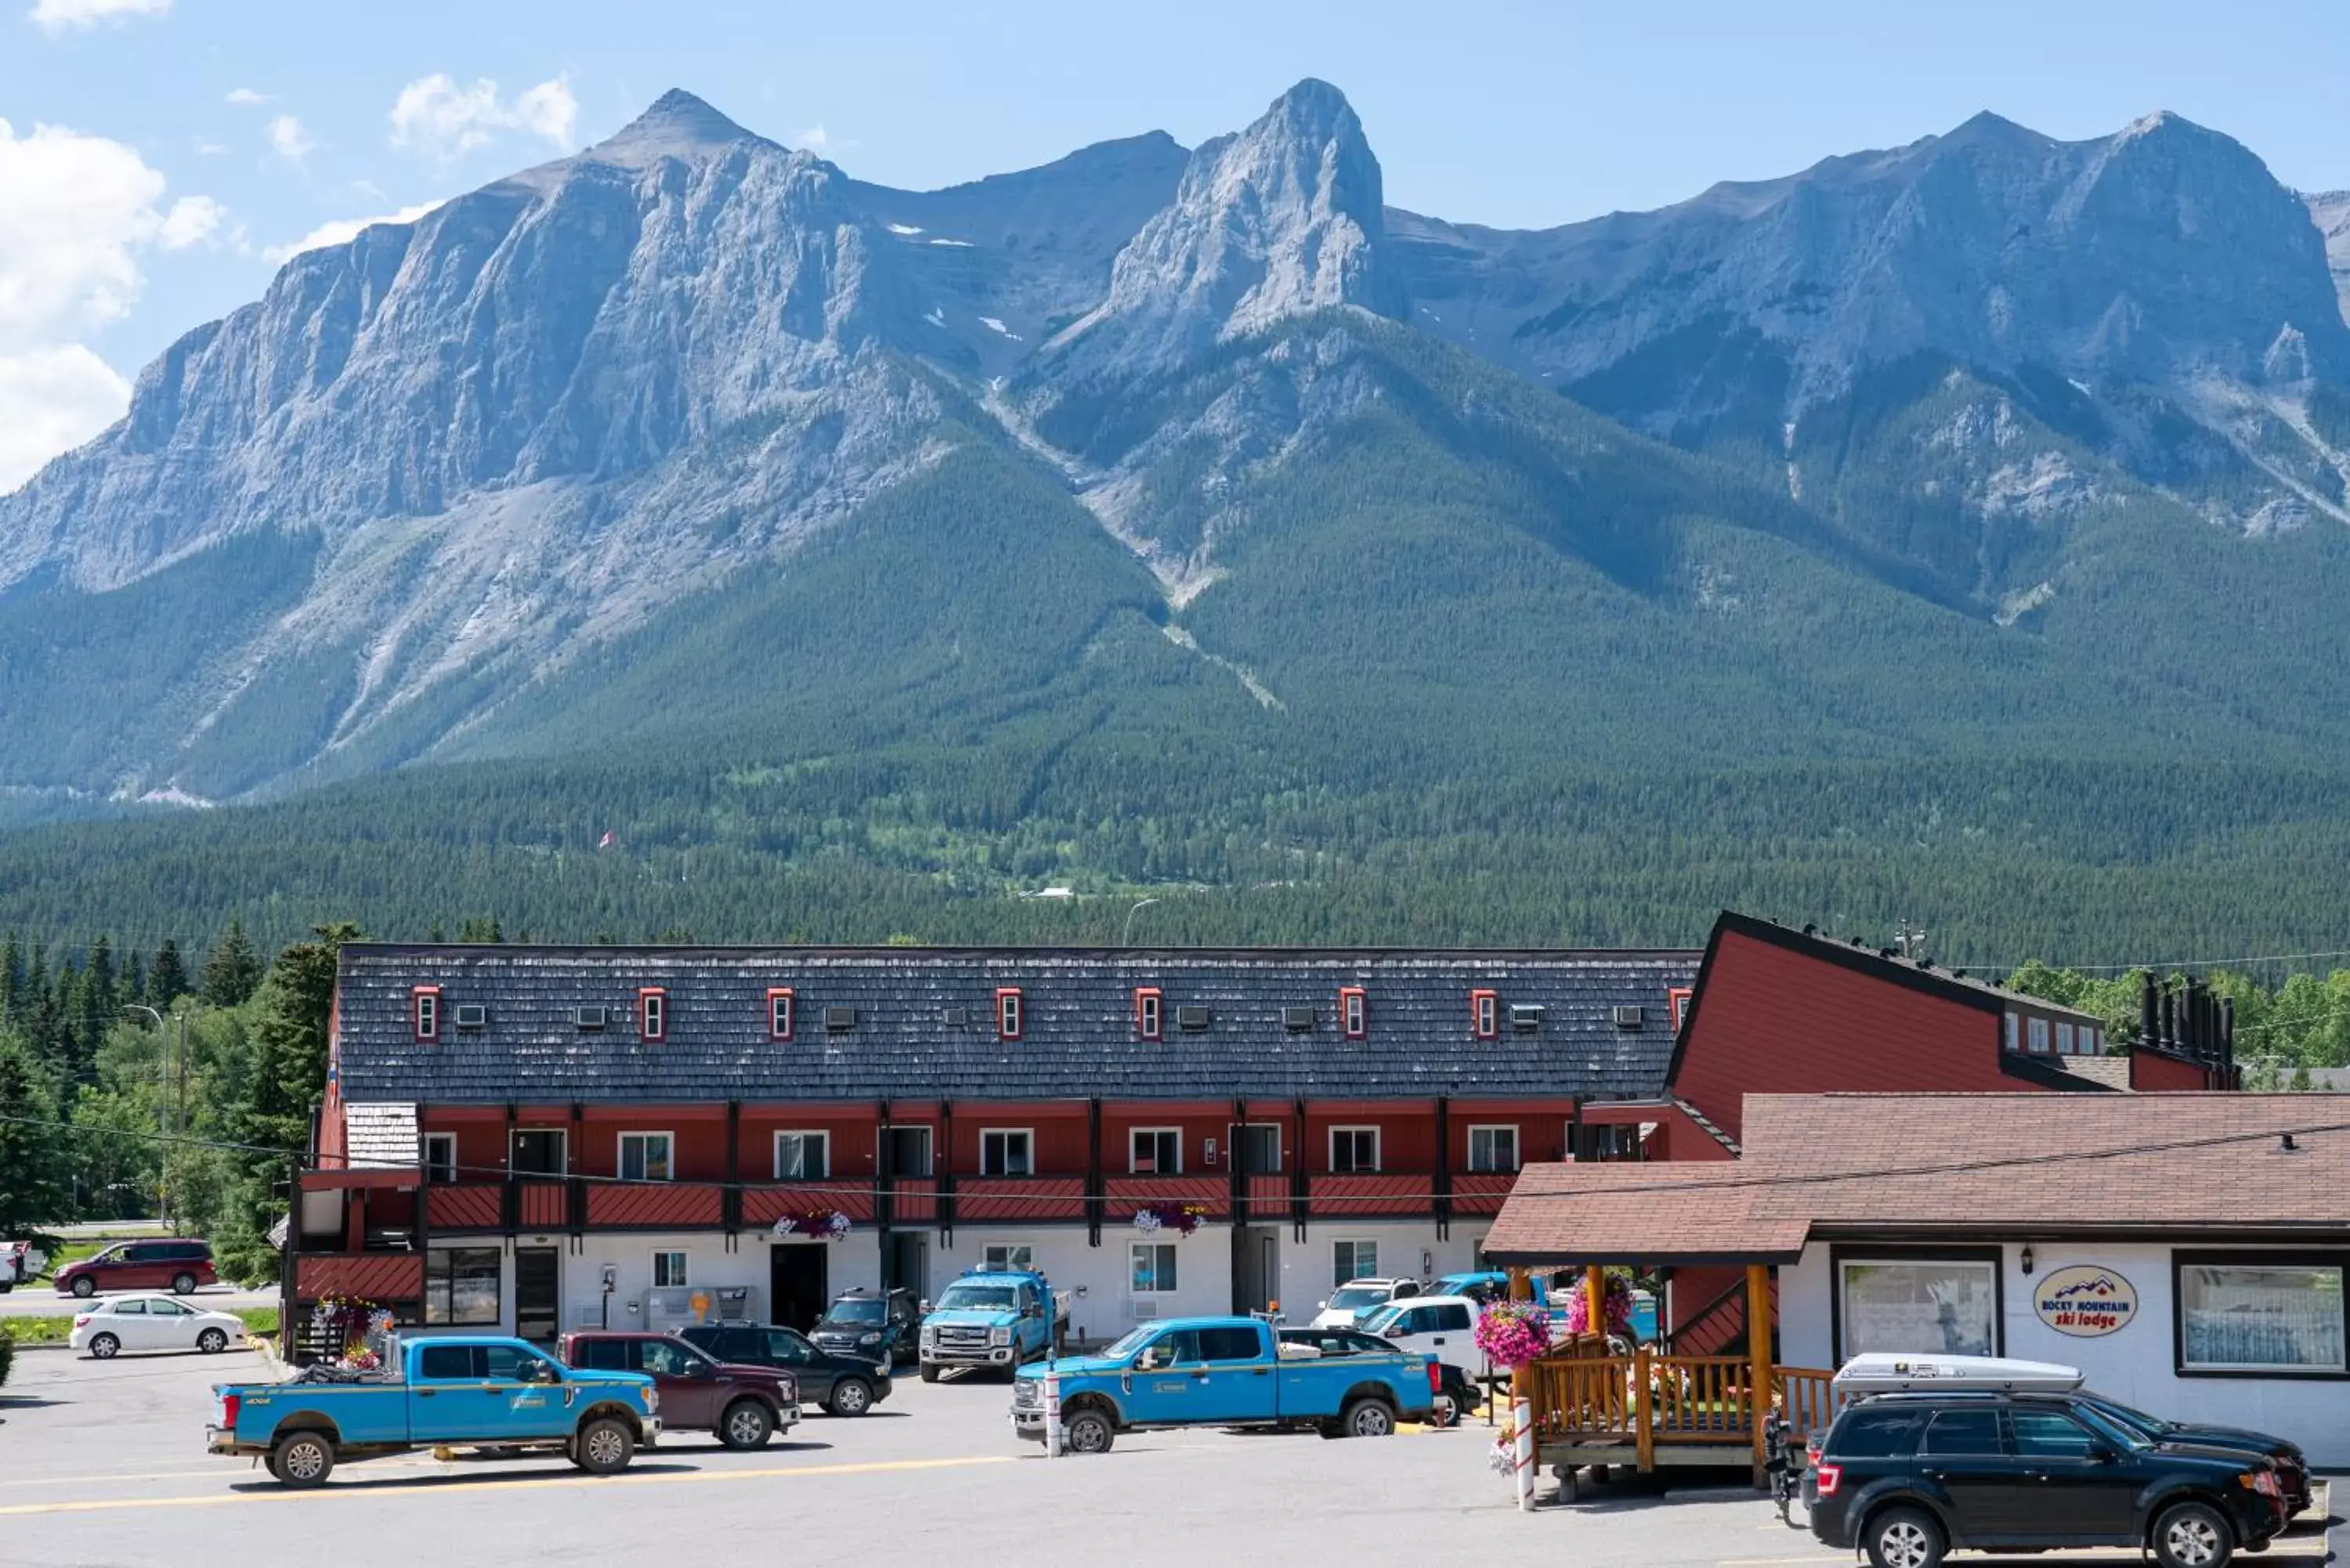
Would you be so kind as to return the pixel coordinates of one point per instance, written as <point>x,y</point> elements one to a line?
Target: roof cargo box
<point>1895,1372</point>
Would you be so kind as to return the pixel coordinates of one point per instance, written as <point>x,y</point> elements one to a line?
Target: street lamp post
<point>1126,937</point>
<point>171,1093</point>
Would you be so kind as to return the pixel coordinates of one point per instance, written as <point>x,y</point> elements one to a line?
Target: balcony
<point>369,1276</point>
<point>479,1206</point>
<point>1011,1199</point>
<point>646,1206</point>
<point>1356,1195</point>
<point>542,1205</point>
<point>917,1201</point>
<point>762,1206</point>
<point>1481,1191</point>
<point>1128,1193</point>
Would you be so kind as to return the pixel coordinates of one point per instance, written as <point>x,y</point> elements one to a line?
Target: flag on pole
<point>605,842</point>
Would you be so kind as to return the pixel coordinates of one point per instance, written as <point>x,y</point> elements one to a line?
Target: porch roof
<point>1814,1165</point>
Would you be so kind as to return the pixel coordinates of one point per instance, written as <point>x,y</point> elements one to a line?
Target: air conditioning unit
<point>1192,1020</point>
<point>1140,1309</point>
<point>591,1017</point>
<point>1631,1016</point>
<point>840,1020</point>
<point>958,1018</point>
<point>472,1015</point>
<point>1297,1020</point>
<point>1525,1017</point>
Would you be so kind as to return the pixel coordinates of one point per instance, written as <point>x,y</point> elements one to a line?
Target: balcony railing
<point>369,1276</point>
<point>1010,1199</point>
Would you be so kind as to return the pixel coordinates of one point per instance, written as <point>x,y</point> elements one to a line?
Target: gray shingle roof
<point>1078,1038</point>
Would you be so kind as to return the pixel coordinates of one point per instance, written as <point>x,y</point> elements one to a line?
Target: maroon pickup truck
<point>744,1406</point>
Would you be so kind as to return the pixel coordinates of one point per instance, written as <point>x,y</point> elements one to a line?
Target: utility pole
<point>165,1113</point>
<point>1911,939</point>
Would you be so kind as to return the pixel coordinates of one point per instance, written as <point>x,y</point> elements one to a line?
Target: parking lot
<point>104,1464</point>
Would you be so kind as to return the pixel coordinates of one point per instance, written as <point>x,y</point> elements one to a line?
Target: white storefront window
<point>1933,1305</point>
<point>2237,1317</point>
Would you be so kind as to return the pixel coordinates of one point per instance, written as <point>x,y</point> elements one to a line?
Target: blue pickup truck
<point>995,1318</point>
<point>1223,1372</point>
<point>489,1393</point>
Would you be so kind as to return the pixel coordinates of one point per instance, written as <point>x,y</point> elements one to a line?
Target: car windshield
<point>858,1311</point>
<point>1355,1298</point>
<point>2127,1438</point>
<point>1132,1341</point>
<point>976,1298</point>
<point>1383,1320</point>
<point>2121,1415</point>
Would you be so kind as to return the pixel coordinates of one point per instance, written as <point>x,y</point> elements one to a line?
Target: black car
<point>1910,1477</point>
<point>843,1385</point>
<point>2293,1465</point>
<point>860,1322</point>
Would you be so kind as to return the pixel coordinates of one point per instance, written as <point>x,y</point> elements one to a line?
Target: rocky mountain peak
<point>1274,221</point>
<point>676,125</point>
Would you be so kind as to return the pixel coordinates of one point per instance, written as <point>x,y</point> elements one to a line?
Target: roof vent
<point>1297,1020</point>
<point>472,1015</point>
<point>591,1017</point>
<point>1810,930</point>
<point>1527,1016</point>
<point>1192,1020</point>
<point>840,1020</point>
<point>958,1017</point>
<point>1631,1015</point>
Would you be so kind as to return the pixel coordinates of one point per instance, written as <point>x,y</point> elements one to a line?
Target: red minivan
<point>176,1266</point>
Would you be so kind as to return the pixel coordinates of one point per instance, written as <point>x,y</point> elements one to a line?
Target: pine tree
<point>232,970</point>
<point>33,1150</point>
<point>12,978</point>
<point>480,929</point>
<point>167,982</point>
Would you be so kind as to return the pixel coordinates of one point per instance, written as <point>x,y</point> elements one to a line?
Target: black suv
<point>845,1385</point>
<point>860,1323</point>
<point>1909,1477</point>
<point>2293,1465</point>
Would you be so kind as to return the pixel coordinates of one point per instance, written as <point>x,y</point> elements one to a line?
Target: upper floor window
<point>1155,1151</point>
<point>1484,1013</point>
<point>802,1155</point>
<point>440,1158</point>
<point>1149,1013</point>
<point>652,1013</point>
<point>1678,997</point>
<point>1006,1151</point>
<point>2063,1039</point>
<point>426,1001</point>
<point>2040,1037</point>
<point>1007,1013</point>
<point>2014,1032</point>
<point>1493,1149</point>
<point>1353,1011</point>
<point>1354,1149</point>
<point>645,1156</point>
<point>779,1013</point>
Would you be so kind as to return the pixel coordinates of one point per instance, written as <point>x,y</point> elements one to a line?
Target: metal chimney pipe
<point>2227,1030</point>
<point>2150,1011</point>
<point>2169,1019</point>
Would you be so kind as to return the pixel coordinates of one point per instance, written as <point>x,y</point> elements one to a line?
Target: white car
<point>1357,1299</point>
<point>107,1328</point>
<point>1441,1326</point>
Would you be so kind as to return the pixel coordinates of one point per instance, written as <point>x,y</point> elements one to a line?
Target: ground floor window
<point>1935,1305</point>
<point>2241,1313</point>
<point>669,1271</point>
<point>1012,1257</point>
<point>460,1285</point>
<point>1353,1260</point>
<point>1154,1268</point>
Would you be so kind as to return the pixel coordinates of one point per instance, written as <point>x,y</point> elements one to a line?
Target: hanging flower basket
<point>1181,1218</point>
<point>346,1324</point>
<point>824,1224</point>
<point>1619,1306</point>
<point>1514,1333</point>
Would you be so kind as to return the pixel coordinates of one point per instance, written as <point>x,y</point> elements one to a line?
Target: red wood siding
<point>1475,1192</point>
<point>1778,1021</point>
<point>463,1208</point>
<point>371,1276</point>
<point>2151,1071</point>
<point>1056,1139</point>
<point>1128,1193</point>
<point>762,1206</point>
<point>545,1205</point>
<point>1355,1196</point>
<point>998,1199</point>
<point>640,1204</point>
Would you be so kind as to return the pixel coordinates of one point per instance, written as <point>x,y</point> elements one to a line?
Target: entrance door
<point>905,1263</point>
<point>797,1283</point>
<point>908,1150</point>
<point>1256,1268</point>
<point>539,1297</point>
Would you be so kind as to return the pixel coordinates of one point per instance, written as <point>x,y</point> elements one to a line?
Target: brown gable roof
<point>1824,1164</point>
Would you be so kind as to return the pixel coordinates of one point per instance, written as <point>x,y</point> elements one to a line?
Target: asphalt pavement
<point>103,1462</point>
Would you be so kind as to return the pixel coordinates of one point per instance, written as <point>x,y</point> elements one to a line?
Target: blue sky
<point>207,135</point>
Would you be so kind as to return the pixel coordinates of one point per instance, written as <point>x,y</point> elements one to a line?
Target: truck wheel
<point>302,1460</point>
<point>930,1372</point>
<point>604,1447</point>
<point>746,1424</point>
<point>1904,1538</point>
<point>184,1283</point>
<point>850,1396</point>
<point>1088,1432</point>
<point>2193,1535</point>
<point>1367,1419</point>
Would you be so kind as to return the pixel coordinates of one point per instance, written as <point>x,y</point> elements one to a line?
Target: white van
<point>1441,1326</point>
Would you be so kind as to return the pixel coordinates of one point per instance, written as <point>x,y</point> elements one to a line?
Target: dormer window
<point>1149,1013</point>
<point>1008,1013</point>
<point>779,1013</point>
<point>1678,997</point>
<point>1485,1014</point>
<point>652,1015</point>
<point>424,1002</point>
<point>1353,1011</point>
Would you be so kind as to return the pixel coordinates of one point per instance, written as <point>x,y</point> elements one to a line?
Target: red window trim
<point>1019,1012</point>
<point>791,1011</point>
<point>1155,1030</point>
<point>1678,997</point>
<point>646,994</point>
<point>416,998</point>
<point>1356,1028</point>
<point>1485,1015</point>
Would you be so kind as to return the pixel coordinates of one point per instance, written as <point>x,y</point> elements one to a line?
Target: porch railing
<point>1640,1400</point>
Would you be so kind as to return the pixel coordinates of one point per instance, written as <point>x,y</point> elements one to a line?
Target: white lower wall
<point>2136,1364</point>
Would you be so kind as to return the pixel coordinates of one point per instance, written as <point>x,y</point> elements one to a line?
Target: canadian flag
<point>605,842</point>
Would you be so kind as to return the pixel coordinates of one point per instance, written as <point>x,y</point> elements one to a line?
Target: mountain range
<point>692,445</point>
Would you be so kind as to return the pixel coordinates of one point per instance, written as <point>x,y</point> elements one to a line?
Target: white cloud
<point>436,117</point>
<point>343,230</point>
<point>245,98</point>
<point>815,138</point>
<point>51,401</point>
<point>209,148</point>
<point>80,210</point>
<point>56,17</point>
<point>288,140</point>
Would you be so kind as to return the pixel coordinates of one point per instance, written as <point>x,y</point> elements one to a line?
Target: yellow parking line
<point>437,1485</point>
